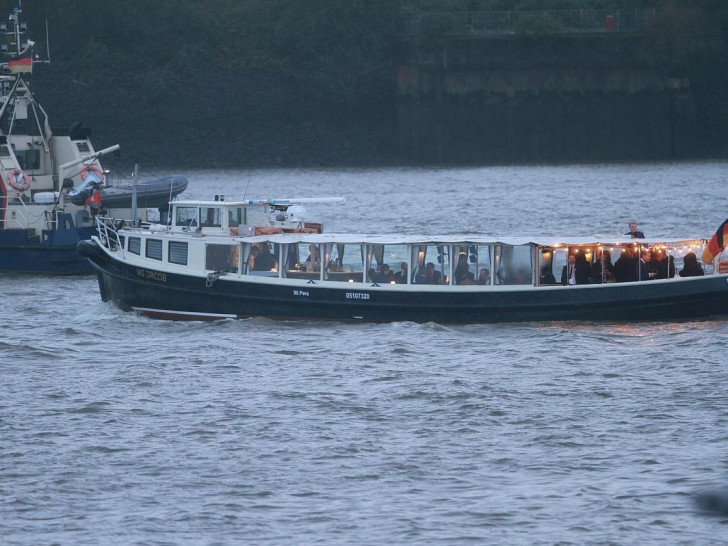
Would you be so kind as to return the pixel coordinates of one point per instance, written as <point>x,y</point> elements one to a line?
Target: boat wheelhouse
<point>217,260</point>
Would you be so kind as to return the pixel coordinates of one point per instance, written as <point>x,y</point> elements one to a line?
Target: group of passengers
<point>630,267</point>
<point>428,274</point>
<point>464,276</point>
<point>383,274</point>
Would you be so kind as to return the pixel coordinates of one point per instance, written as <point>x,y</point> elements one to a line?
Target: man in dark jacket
<point>633,231</point>
<point>576,272</point>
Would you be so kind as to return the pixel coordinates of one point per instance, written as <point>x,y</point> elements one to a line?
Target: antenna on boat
<point>134,195</point>
<point>246,188</point>
<point>48,44</point>
<point>168,222</point>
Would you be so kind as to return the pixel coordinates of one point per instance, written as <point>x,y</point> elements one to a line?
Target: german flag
<point>21,63</point>
<point>716,244</point>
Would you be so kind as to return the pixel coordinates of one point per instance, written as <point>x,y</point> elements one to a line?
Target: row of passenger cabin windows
<point>397,263</point>
<point>217,257</point>
<point>431,264</point>
<point>462,264</point>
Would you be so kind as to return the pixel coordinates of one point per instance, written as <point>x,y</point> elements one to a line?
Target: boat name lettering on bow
<point>300,293</point>
<point>357,296</point>
<point>149,274</point>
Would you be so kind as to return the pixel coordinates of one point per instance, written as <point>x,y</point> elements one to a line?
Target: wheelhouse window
<point>210,217</point>
<point>236,217</point>
<point>186,216</point>
<point>177,252</point>
<point>135,245</point>
<point>222,257</point>
<point>154,249</point>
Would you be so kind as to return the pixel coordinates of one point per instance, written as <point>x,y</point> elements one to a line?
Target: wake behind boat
<point>215,261</point>
<point>52,183</point>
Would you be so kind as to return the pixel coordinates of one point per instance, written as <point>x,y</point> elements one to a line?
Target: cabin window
<point>221,257</point>
<point>261,259</point>
<point>473,264</point>
<point>211,217</point>
<point>186,216</point>
<point>344,262</point>
<point>303,261</point>
<point>550,263</point>
<point>384,264</point>
<point>177,252</point>
<point>431,264</point>
<point>135,245</point>
<point>154,249</point>
<point>514,264</point>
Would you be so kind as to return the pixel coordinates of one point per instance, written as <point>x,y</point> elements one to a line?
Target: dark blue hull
<point>53,252</point>
<point>165,295</point>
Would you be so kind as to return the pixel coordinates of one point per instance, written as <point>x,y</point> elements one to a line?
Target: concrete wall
<point>563,98</point>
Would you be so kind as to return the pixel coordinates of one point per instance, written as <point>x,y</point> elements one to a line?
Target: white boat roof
<point>252,202</point>
<point>357,238</point>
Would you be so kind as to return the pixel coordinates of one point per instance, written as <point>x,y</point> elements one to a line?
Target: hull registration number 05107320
<point>357,296</point>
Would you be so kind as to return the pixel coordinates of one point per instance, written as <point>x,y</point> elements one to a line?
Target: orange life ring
<point>92,169</point>
<point>19,180</point>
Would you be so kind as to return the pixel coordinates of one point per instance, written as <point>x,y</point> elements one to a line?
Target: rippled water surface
<point>119,429</point>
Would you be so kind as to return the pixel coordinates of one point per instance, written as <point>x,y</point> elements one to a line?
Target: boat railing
<point>21,216</point>
<point>108,230</point>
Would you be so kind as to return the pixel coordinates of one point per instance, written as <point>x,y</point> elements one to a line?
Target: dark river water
<point>115,429</point>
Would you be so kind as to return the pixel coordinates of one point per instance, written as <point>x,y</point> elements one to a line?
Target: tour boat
<point>42,215</point>
<point>231,260</point>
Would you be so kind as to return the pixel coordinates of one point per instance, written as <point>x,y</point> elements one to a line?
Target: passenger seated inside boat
<point>667,267</point>
<point>468,280</point>
<point>400,277</point>
<point>313,262</point>
<point>647,270</point>
<point>602,269</point>
<point>625,268</point>
<point>546,276</point>
<point>429,276</point>
<point>577,271</point>
<point>691,266</point>
<point>462,269</point>
<point>262,259</point>
<point>385,275</point>
<point>484,276</point>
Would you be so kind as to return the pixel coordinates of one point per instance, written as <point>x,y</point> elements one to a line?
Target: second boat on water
<point>51,182</point>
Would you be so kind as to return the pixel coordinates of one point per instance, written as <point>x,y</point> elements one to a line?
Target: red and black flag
<point>716,244</point>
